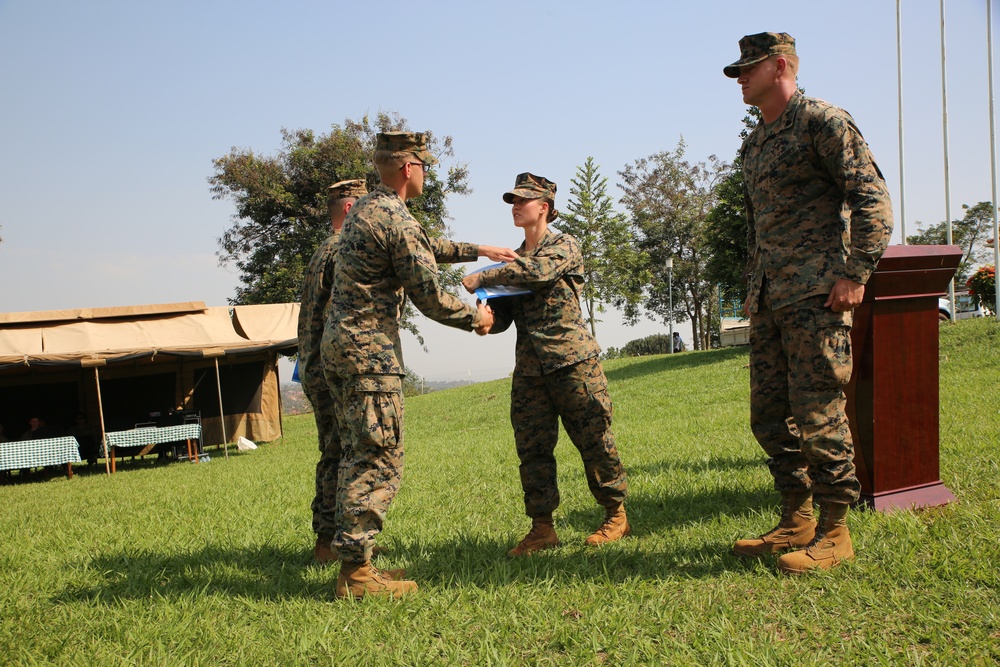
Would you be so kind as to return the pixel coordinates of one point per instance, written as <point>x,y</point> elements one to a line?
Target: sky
<point>112,112</point>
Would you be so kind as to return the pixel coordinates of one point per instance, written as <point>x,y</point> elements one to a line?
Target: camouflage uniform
<point>818,210</point>
<point>383,251</point>
<point>316,286</point>
<point>556,374</point>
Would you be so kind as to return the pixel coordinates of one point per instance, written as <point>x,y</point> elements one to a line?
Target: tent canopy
<point>75,337</point>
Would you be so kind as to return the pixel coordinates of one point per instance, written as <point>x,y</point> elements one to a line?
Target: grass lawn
<point>209,564</point>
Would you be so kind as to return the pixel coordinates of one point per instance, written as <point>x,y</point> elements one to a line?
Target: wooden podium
<point>892,398</point>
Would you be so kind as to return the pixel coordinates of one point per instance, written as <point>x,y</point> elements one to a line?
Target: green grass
<point>209,564</point>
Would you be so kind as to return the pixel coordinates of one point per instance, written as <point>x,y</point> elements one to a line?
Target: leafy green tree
<point>669,199</point>
<point>610,257</point>
<point>726,236</point>
<point>281,212</point>
<point>970,233</point>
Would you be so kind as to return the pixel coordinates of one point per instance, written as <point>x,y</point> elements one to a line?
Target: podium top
<point>920,257</point>
<point>907,271</point>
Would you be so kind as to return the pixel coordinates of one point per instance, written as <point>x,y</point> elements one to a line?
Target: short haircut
<point>387,162</point>
<point>793,63</point>
<point>336,204</point>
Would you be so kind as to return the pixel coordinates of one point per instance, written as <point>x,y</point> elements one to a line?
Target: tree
<point>970,233</point>
<point>670,200</point>
<point>610,258</point>
<point>726,237</point>
<point>281,213</point>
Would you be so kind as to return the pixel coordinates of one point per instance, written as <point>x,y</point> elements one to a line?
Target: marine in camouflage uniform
<point>819,219</point>
<point>557,373</point>
<point>384,254</point>
<point>316,284</point>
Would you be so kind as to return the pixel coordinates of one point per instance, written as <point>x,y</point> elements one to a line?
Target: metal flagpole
<point>899,103</point>
<point>947,178</point>
<point>993,154</point>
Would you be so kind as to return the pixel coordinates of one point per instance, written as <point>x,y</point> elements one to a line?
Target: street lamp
<point>669,266</point>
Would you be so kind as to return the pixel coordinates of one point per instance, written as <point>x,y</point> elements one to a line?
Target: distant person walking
<point>820,219</point>
<point>557,373</point>
<point>383,253</point>
<point>316,284</point>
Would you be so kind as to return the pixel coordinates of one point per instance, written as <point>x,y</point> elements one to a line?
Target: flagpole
<point>899,103</point>
<point>947,177</point>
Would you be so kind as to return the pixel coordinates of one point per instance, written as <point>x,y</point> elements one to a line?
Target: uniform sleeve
<point>413,260</point>
<point>849,161</point>
<point>751,229</point>
<point>546,266</point>
<point>452,252</point>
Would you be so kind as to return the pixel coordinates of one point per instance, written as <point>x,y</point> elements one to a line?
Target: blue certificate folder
<point>486,293</point>
<point>295,372</point>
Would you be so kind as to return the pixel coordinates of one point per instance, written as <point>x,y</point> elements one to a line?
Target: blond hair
<point>387,162</point>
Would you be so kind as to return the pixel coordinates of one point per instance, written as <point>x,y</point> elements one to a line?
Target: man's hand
<point>746,308</point>
<point>472,282</point>
<point>485,319</point>
<point>497,254</point>
<point>845,296</point>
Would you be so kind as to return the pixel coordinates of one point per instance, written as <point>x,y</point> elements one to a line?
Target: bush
<point>983,286</point>
<point>655,344</point>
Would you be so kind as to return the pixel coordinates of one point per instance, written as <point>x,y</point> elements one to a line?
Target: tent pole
<point>100,412</point>
<point>222,414</point>
<point>281,403</point>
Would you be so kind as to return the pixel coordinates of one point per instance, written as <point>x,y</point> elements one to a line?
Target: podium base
<point>914,497</point>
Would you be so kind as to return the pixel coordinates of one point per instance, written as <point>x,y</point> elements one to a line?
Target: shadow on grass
<point>668,362</point>
<point>262,573</point>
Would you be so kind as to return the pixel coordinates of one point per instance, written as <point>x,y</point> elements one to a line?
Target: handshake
<point>470,283</point>
<point>485,319</point>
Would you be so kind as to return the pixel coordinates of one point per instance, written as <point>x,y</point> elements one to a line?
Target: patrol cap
<point>529,186</point>
<point>755,48</point>
<point>405,142</point>
<point>352,188</point>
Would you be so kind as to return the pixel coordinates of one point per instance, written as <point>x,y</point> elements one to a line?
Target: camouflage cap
<point>405,142</point>
<point>755,48</point>
<point>530,186</point>
<point>352,188</point>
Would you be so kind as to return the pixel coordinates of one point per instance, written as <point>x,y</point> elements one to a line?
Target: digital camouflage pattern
<point>384,251</point>
<point>383,254</point>
<point>556,374</point>
<point>579,394</point>
<point>800,360</point>
<point>352,188</point>
<point>818,210</point>
<point>550,329</point>
<point>406,142</point>
<point>316,284</point>
<point>763,45</point>
<point>817,204</point>
<point>370,413</point>
<point>529,186</point>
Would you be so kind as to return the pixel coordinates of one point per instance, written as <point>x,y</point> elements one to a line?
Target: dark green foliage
<point>281,211</point>
<point>670,199</point>
<point>970,233</point>
<point>612,263</point>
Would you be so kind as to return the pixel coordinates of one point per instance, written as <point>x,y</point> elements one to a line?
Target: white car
<point>963,304</point>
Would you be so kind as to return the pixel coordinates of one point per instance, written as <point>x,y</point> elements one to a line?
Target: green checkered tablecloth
<point>152,435</point>
<point>37,453</point>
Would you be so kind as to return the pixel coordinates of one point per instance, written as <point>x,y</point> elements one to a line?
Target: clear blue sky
<point>113,111</point>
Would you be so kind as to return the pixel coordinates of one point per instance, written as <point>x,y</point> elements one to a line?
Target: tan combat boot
<point>356,580</point>
<point>541,536</point>
<point>831,546</point>
<point>614,528</point>
<point>795,530</point>
<point>323,552</point>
